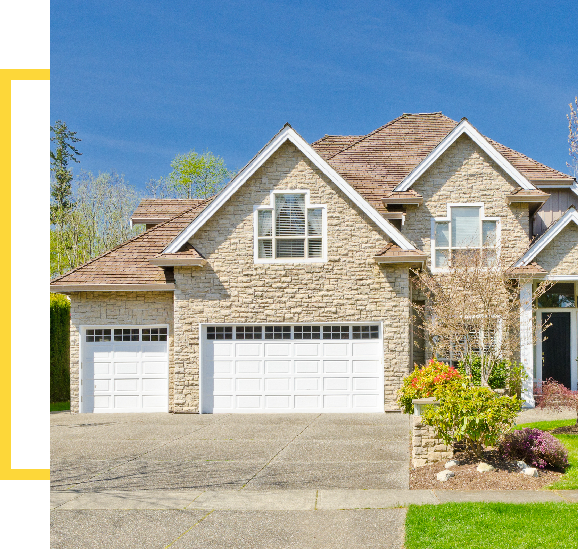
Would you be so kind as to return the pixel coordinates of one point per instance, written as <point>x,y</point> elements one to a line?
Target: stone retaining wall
<point>426,448</point>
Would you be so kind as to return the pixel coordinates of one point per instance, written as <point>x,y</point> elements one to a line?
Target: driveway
<point>280,462</point>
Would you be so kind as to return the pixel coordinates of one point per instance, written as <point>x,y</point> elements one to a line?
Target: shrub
<point>556,396</point>
<point>428,381</point>
<point>505,374</point>
<point>59,348</point>
<point>474,415</point>
<point>535,447</point>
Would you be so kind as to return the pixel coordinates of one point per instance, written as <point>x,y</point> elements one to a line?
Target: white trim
<point>570,278</point>
<point>448,219</point>
<point>271,207</point>
<point>526,346</point>
<point>288,134</point>
<point>574,188</point>
<point>464,127</point>
<point>547,237</point>
<point>68,288</point>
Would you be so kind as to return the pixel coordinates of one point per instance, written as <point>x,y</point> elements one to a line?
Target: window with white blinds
<point>289,229</point>
<point>464,229</point>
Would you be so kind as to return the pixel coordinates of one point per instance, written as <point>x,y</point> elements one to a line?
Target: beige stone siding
<point>426,447</point>
<point>465,174</point>
<point>231,288</point>
<point>560,257</point>
<point>116,308</point>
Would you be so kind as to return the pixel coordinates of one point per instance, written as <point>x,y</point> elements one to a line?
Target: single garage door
<point>124,369</point>
<point>299,368</point>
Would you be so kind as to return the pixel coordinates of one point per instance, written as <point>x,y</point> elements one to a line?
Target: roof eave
<point>413,201</point>
<point>178,261</point>
<point>71,288</point>
<point>400,259</point>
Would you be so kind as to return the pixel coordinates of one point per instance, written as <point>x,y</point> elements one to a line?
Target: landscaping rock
<point>531,471</point>
<point>442,476</point>
<point>452,463</point>
<point>521,465</point>
<point>485,467</point>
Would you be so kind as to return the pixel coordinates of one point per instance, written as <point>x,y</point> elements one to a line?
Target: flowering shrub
<point>554,395</point>
<point>429,381</point>
<point>535,447</point>
<point>472,414</point>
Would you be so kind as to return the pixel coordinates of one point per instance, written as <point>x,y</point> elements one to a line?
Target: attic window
<point>290,229</point>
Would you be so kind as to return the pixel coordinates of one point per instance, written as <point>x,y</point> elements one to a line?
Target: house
<point>290,290</point>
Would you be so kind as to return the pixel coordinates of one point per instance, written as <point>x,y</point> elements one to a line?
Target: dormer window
<point>465,229</point>
<point>290,230</point>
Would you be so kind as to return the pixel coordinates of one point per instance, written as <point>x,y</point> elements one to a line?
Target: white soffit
<point>464,127</point>
<point>288,134</point>
<point>554,230</point>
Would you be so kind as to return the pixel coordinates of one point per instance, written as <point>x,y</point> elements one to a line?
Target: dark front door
<point>556,349</point>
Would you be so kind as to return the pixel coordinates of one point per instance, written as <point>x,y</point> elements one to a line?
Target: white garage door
<point>124,369</point>
<point>301,368</point>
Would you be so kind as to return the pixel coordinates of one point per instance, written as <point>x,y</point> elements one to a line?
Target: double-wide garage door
<point>300,368</point>
<point>124,369</point>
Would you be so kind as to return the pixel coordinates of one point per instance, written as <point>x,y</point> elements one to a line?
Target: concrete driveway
<point>109,474</point>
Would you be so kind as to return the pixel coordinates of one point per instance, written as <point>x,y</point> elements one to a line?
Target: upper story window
<point>290,229</point>
<point>465,229</point>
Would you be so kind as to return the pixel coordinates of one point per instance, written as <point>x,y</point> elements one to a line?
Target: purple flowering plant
<point>535,447</point>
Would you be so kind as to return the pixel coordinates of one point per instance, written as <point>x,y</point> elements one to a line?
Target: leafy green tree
<point>61,184</point>
<point>197,175</point>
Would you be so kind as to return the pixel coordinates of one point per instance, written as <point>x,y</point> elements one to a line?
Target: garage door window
<point>294,332</point>
<point>101,335</point>
<point>97,336</point>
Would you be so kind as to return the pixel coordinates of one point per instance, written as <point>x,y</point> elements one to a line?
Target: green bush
<point>505,374</point>
<point>474,415</point>
<point>59,348</point>
<point>430,380</point>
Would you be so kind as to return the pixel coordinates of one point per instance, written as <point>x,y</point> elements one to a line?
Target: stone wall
<point>231,288</point>
<point>465,174</point>
<point>426,448</point>
<point>560,257</point>
<point>116,308</point>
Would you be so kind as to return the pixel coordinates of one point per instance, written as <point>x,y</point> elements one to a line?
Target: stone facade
<point>426,448</point>
<point>465,174</point>
<point>105,308</point>
<point>560,257</point>
<point>231,288</point>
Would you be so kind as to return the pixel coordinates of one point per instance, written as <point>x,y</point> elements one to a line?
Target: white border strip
<point>464,127</point>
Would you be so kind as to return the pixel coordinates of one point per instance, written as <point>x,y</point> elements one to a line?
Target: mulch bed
<point>507,476</point>
<point>568,430</point>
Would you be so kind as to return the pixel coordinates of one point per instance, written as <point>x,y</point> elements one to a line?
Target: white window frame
<point>448,219</point>
<point>271,208</point>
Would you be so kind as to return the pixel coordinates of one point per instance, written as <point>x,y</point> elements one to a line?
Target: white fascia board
<point>464,127</point>
<point>68,288</point>
<point>574,188</point>
<point>547,237</point>
<point>288,134</point>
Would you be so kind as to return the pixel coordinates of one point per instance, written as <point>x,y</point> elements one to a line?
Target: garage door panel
<point>118,375</point>
<point>277,367</point>
<point>341,371</point>
<point>123,368</point>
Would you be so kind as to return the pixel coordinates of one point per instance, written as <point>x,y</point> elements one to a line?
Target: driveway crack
<point>187,531</point>
<point>290,442</point>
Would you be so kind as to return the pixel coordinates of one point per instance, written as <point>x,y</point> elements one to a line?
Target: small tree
<point>555,396</point>
<point>197,175</point>
<point>472,312</point>
<point>573,136</point>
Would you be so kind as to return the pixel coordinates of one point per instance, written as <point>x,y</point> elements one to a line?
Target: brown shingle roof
<point>531,269</point>
<point>392,250</point>
<point>128,263</point>
<point>376,163</point>
<point>155,209</point>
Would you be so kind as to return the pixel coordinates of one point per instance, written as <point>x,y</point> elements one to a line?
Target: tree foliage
<point>472,312</point>
<point>99,221</point>
<point>197,175</point>
<point>59,348</point>
<point>573,136</point>
<point>61,188</point>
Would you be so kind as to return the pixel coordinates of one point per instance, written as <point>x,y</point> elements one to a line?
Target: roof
<point>392,253</point>
<point>531,269</point>
<point>158,210</point>
<point>379,161</point>
<point>129,263</point>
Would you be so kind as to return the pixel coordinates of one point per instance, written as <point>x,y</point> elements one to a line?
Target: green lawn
<point>495,525</point>
<point>568,481</point>
<point>59,406</point>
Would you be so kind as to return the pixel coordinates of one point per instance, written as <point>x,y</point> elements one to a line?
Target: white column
<point>527,344</point>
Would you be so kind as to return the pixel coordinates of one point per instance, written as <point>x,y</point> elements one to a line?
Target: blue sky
<point>142,81</point>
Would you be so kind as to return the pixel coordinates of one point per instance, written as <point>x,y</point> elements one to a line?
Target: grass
<point>59,406</point>
<point>569,480</point>
<point>496,525</point>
